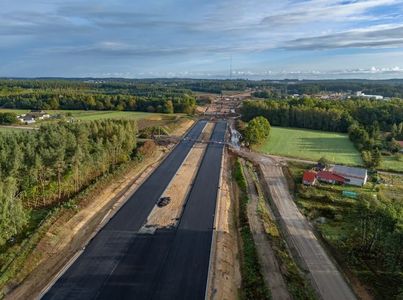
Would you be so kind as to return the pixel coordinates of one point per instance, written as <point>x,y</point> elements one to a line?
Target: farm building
<point>330,177</point>
<point>353,176</point>
<point>309,178</point>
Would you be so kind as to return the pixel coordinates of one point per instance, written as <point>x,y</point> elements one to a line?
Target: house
<point>309,178</point>
<point>353,176</point>
<point>40,115</point>
<point>27,120</point>
<point>33,116</point>
<point>330,177</point>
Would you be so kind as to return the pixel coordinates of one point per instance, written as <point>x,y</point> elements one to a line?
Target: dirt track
<point>269,265</point>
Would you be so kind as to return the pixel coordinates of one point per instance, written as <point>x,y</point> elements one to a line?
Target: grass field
<point>391,163</point>
<point>311,145</point>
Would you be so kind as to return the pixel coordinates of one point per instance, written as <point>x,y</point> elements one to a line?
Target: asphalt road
<point>173,263</point>
<point>118,240</point>
<point>185,271</point>
<point>326,278</point>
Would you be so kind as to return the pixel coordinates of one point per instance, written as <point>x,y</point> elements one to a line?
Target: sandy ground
<point>182,127</point>
<point>268,262</point>
<point>179,187</point>
<point>225,276</point>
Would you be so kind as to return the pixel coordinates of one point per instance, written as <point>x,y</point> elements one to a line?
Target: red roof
<point>400,143</point>
<point>309,176</point>
<point>326,175</point>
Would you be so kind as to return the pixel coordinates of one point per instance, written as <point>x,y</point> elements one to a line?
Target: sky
<point>202,38</point>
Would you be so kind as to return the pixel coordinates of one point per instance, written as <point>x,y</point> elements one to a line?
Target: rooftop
<point>349,171</point>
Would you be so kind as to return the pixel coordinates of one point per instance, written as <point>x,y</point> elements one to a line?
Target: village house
<point>33,116</point>
<point>330,177</point>
<point>309,178</point>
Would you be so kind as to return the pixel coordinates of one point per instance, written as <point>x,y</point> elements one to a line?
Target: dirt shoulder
<point>225,276</point>
<point>269,265</point>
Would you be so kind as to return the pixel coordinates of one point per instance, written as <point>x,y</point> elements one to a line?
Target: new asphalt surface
<point>114,243</point>
<point>172,263</point>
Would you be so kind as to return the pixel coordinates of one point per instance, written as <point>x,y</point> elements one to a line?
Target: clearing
<point>312,145</point>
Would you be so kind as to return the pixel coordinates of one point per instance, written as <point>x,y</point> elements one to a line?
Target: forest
<point>88,95</point>
<point>41,168</point>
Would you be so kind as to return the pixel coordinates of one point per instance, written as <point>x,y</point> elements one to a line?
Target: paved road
<point>185,272</point>
<point>115,242</point>
<point>173,263</point>
<point>326,278</point>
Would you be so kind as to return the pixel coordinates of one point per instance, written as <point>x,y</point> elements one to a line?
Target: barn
<point>353,176</point>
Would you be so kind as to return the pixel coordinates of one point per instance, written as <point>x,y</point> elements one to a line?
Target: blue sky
<point>197,38</point>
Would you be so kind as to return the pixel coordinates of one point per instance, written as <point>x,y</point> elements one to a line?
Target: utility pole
<point>230,68</point>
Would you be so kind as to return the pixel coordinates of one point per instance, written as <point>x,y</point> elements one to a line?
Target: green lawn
<point>311,145</point>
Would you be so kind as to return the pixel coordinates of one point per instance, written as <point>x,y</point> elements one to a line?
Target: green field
<point>311,145</point>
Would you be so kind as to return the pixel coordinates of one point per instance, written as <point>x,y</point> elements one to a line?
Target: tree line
<point>42,167</point>
<point>96,96</point>
<point>362,119</point>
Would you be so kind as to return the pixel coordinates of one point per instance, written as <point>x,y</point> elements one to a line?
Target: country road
<point>326,278</point>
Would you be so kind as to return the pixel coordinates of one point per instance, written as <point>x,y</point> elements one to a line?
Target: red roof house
<point>309,178</point>
<point>329,177</point>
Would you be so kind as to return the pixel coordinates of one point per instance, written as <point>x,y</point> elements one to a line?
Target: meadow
<point>311,145</point>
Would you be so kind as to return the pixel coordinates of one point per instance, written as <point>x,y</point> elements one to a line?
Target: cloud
<point>331,11</point>
<point>377,36</point>
<point>180,35</point>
